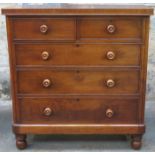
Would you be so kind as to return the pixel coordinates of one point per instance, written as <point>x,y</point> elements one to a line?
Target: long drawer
<point>48,81</point>
<point>78,54</point>
<point>81,110</point>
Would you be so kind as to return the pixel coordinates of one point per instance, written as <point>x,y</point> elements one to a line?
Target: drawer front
<point>44,28</point>
<point>111,28</point>
<point>82,54</point>
<point>59,111</point>
<point>78,81</point>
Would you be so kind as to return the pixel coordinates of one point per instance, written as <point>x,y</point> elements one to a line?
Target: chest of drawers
<point>78,71</point>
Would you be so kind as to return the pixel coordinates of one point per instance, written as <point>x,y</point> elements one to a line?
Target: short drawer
<point>78,54</point>
<point>44,28</point>
<point>110,28</point>
<point>78,110</point>
<point>77,81</point>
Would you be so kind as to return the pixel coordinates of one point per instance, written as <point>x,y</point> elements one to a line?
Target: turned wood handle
<point>110,83</point>
<point>110,55</point>
<point>43,29</point>
<point>46,83</point>
<point>109,113</point>
<point>47,111</point>
<point>111,28</point>
<point>45,55</point>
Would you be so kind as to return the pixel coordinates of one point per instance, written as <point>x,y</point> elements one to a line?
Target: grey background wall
<point>4,64</point>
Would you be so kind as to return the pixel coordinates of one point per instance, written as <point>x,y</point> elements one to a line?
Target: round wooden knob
<point>111,28</point>
<point>110,55</point>
<point>45,55</point>
<point>110,83</point>
<point>109,113</point>
<point>47,111</point>
<point>46,83</point>
<point>43,29</point>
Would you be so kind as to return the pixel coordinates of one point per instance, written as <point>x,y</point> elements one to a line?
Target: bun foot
<point>136,141</point>
<point>21,141</point>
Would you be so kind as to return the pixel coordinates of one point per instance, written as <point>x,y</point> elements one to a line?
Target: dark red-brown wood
<point>78,71</point>
<point>70,54</point>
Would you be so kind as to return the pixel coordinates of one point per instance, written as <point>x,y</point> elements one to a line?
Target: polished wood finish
<point>47,111</point>
<point>110,28</point>
<point>120,129</point>
<point>109,113</point>
<point>78,71</point>
<point>91,54</point>
<point>136,141</point>
<point>68,9</point>
<point>44,28</point>
<point>77,111</point>
<point>76,82</point>
<point>21,141</point>
<point>45,55</point>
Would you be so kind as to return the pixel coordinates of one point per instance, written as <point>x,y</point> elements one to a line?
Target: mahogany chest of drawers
<point>78,71</point>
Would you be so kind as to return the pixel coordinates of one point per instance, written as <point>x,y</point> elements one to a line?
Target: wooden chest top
<point>70,9</point>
